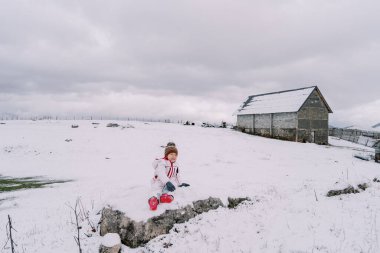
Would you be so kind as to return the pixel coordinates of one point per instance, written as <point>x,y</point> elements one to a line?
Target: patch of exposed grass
<point>8,184</point>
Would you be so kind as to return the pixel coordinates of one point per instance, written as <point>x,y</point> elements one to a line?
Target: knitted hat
<point>170,144</point>
<point>170,149</point>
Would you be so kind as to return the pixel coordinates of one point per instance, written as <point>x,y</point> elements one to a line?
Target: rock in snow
<point>135,234</point>
<point>234,202</point>
<point>111,243</point>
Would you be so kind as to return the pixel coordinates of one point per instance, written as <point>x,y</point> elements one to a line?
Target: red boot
<point>166,198</point>
<point>153,203</point>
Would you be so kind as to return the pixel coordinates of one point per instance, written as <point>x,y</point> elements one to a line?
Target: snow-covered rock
<point>135,234</point>
<point>111,243</point>
<point>234,202</point>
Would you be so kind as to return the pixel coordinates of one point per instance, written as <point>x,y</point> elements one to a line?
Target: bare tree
<point>9,229</point>
<point>85,215</point>
<point>77,214</point>
<point>81,215</point>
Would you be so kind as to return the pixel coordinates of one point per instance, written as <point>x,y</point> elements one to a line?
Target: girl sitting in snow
<point>166,176</point>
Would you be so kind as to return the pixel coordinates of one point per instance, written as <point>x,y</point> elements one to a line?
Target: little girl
<point>166,177</point>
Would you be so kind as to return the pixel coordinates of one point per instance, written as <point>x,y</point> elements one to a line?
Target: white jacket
<point>165,171</point>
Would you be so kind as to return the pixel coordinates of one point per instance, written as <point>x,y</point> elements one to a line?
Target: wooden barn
<point>300,115</point>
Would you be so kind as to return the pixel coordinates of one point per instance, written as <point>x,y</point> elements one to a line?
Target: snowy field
<point>287,181</point>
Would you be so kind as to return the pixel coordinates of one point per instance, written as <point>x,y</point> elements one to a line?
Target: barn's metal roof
<point>278,102</point>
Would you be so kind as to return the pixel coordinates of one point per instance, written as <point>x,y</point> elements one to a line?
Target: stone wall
<point>284,126</point>
<point>313,120</point>
<point>263,121</point>
<point>263,124</point>
<point>288,134</point>
<point>286,120</point>
<point>276,125</point>
<point>245,123</point>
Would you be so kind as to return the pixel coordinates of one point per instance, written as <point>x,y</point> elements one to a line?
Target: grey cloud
<point>191,48</point>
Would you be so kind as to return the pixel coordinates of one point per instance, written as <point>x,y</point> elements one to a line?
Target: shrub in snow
<point>74,126</point>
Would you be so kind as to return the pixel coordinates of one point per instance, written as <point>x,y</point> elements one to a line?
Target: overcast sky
<point>195,60</point>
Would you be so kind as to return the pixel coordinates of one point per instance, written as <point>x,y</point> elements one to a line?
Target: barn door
<point>253,124</point>
<point>312,137</point>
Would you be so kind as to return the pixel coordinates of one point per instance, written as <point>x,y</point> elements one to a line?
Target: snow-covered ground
<point>112,166</point>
